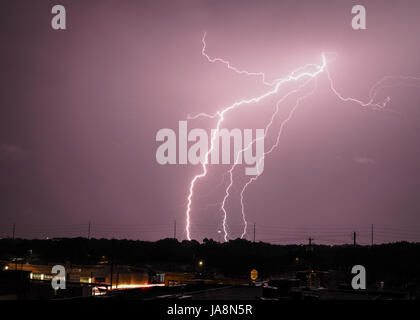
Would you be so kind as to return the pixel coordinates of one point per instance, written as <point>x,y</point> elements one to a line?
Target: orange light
<point>133,286</point>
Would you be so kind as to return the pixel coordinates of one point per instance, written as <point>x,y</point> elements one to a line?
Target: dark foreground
<point>169,270</point>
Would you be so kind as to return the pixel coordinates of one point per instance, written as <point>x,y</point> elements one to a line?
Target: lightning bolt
<point>282,125</point>
<point>294,76</point>
<point>227,194</point>
<point>275,85</point>
<point>378,86</point>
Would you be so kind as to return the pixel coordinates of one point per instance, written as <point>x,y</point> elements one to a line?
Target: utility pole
<point>112,272</point>
<point>254,232</point>
<point>354,239</point>
<point>15,249</point>
<point>15,245</point>
<point>371,235</point>
<point>118,277</point>
<point>175,229</point>
<point>112,261</point>
<point>310,254</point>
<point>87,244</point>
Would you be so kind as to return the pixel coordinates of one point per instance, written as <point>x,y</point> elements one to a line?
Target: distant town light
<point>201,263</point>
<point>133,286</point>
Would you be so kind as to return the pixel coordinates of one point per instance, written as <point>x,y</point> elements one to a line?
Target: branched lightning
<point>283,123</point>
<point>227,194</point>
<point>274,86</point>
<point>221,114</point>
<point>233,68</point>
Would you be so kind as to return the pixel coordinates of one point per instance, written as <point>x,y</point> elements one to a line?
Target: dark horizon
<point>81,107</point>
<point>365,236</point>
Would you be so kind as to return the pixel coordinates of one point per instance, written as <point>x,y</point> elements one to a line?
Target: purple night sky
<point>80,110</point>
